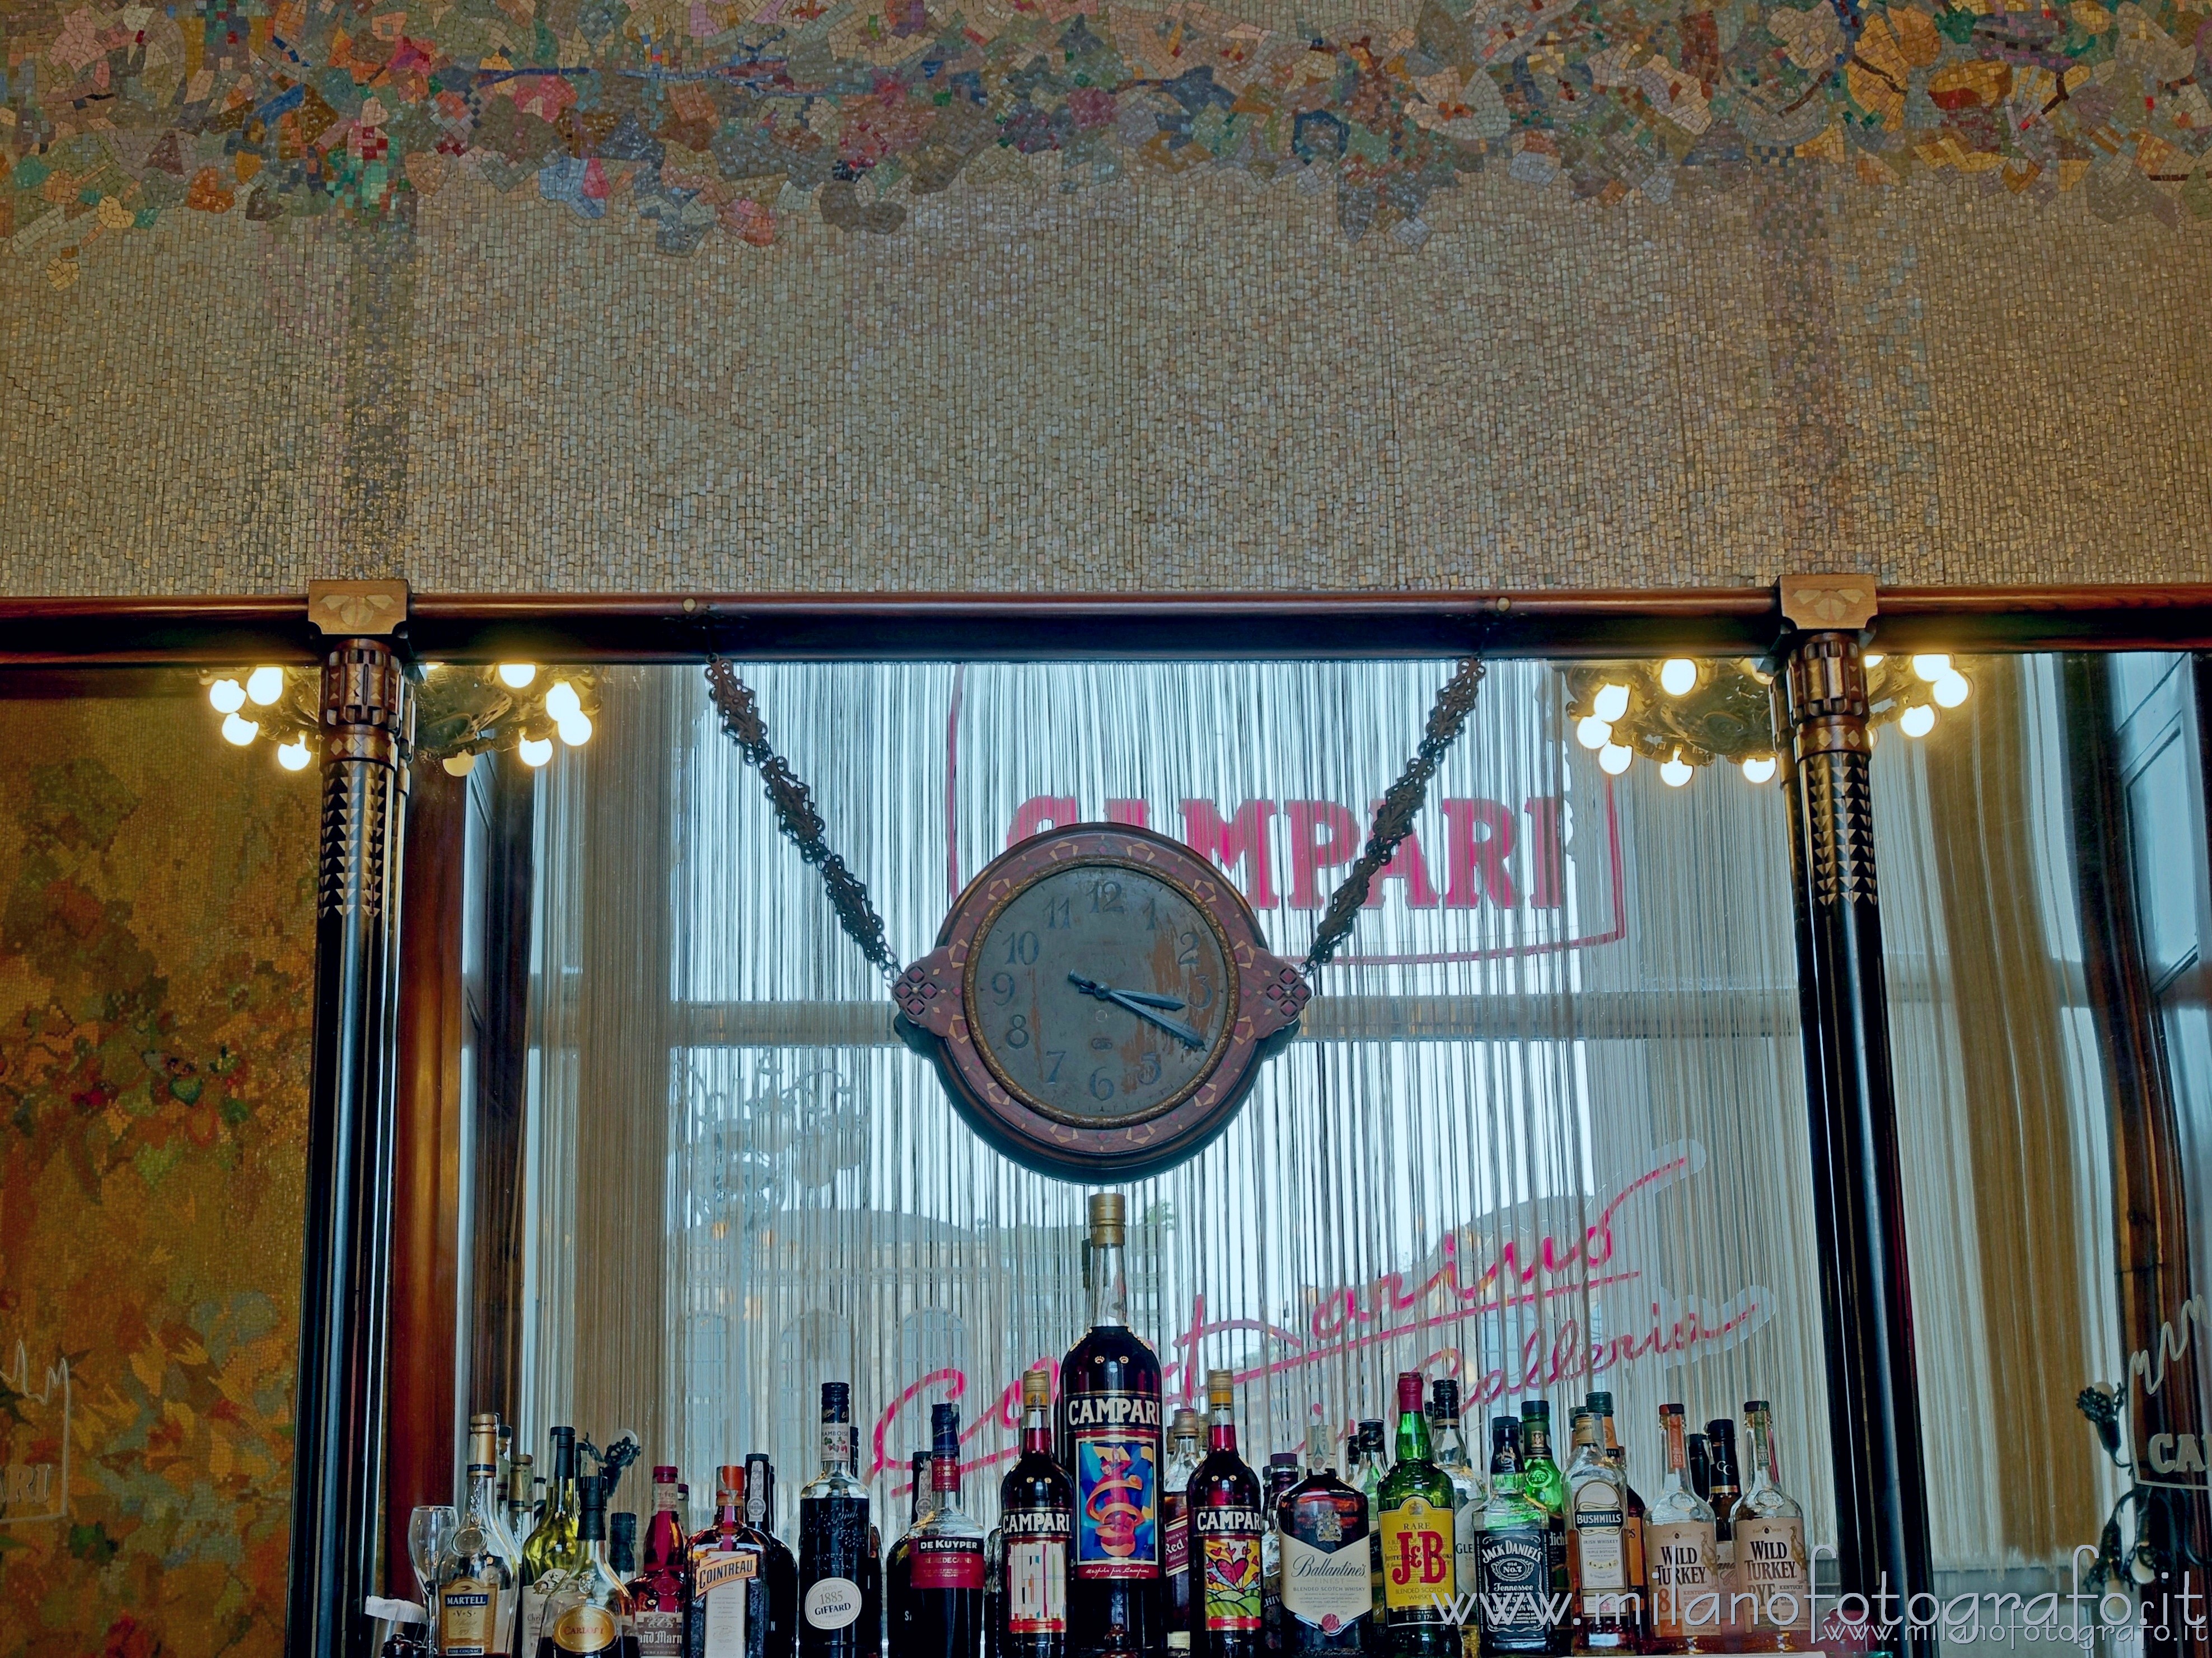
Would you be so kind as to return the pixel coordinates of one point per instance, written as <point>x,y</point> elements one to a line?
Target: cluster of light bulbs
<point>262,688</point>
<point>1678,677</point>
<point>561,703</point>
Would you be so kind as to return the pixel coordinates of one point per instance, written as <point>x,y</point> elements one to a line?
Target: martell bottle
<point>552,1546</point>
<point>479,1590</point>
<point>1037,1518</point>
<point>1516,1553</point>
<point>1467,1496</point>
<point>1771,1561</point>
<point>898,1568</point>
<point>1175,1526</point>
<point>1417,1562</point>
<point>660,1594</point>
<point>1597,1555</point>
<point>1228,1529</point>
<point>586,1608</point>
<point>945,1601</point>
<point>837,1614</point>
<point>1282,1474</point>
<point>1329,1602</point>
<point>1678,1551</point>
<point>1631,1533</point>
<point>779,1566</point>
<point>1109,1442</point>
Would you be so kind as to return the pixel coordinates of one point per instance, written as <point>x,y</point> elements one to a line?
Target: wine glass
<point>430,1531</point>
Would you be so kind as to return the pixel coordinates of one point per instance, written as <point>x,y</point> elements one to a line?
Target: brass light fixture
<point>461,712</point>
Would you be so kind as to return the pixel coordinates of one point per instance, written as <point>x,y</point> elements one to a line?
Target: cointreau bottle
<point>1678,1551</point>
<point>1036,1518</point>
<point>730,1613</point>
<point>1329,1602</point>
<point>1110,1433</point>
<point>1228,1528</point>
<point>945,1598</point>
<point>660,1594</point>
<point>837,1614</point>
<point>1417,1566</point>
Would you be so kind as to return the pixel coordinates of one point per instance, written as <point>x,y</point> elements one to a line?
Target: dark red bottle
<point>1228,1530</point>
<point>1037,1518</point>
<point>898,1565</point>
<point>660,1593</point>
<point>1110,1442</point>
<point>945,1595</point>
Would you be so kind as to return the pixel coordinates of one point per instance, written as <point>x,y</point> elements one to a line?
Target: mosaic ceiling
<point>706,118</point>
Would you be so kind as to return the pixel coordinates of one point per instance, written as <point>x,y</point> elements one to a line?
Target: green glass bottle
<point>552,1549</point>
<point>1547,1487</point>
<point>1417,1504</point>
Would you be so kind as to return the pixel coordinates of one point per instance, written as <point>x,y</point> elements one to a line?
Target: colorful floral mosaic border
<point>714,118</point>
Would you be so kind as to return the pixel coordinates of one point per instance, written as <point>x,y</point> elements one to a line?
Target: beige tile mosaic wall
<point>1166,382</point>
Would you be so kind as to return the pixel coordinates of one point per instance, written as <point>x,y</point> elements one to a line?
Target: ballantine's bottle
<point>1418,1563</point>
<point>1770,1561</point>
<point>1109,1442</point>
<point>946,1597</point>
<point>1037,1518</point>
<point>1227,1527</point>
<point>1517,1555</point>
<point>481,1585</point>
<point>1597,1556</point>
<point>838,1617</point>
<point>1328,1603</point>
<point>1678,1551</point>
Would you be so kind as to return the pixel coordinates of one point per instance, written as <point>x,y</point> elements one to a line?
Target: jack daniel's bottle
<point>1110,1442</point>
<point>1515,1553</point>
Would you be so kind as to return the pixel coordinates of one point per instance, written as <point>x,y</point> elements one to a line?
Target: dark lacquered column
<point>1873,1398</point>
<point>338,1474</point>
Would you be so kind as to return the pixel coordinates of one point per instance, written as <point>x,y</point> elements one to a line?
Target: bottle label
<point>586,1629</point>
<point>1229,1548</point>
<point>1770,1564</point>
<point>1037,1577</point>
<point>1466,1547</point>
<point>717,1567</point>
<point>659,1634</point>
<point>534,1597</point>
<point>664,1497</point>
<point>836,1443</point>
<point>1117,1484</point>
<point>948,1563</point>
<point>466,1609</point>
<point>1600,1559</point>
<point>1517,1580</point>
<point>723,1619</point>
<point>1416,1557</point>
<point>1632,1549</point>
<point>832,1603</point>
<point>1175,1535</point>
<point>1327,1588</point>
<point>1685,1597</point>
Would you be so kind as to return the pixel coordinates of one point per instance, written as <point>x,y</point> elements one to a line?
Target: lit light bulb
<point>1612,701</point>
<point>458,765</point>
<point>1678,675</point>
<point>266,685</point>
<point>1675,772</point>
<point>1760,768</point>
<point>1932,668</point>
<point>560,701</point>
<point>227,695</point>
<point>1593,732</point>
<point>239,731</point>
<point>515,675</point>
<point>576,730</point>
<point>536,752</point>
<point>1613,759</point>
<point>1951,689</point>
<point>1875,658</point>
<point>1917,720</point>
<point>294,756</point>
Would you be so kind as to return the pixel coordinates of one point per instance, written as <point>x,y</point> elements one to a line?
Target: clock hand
<point>1092,987</point>
<point>1129,999</point>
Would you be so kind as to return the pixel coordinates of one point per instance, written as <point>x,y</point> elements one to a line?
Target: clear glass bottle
<point>1418,1502</point>
<point>1771,1562</point>
<point>1282,1474</point>
<point>1037,1518</point>
<point>1605,1617</point>
<point>480,1583</point>
<point>1174,1525</point>
<point>587,1610</point>
<point>521,1494</point>
<point>837,1614</point>
<point>1328,1596</point>
<point>1678,1551</point>
<point>660,1595</point>
<point>1228,1530</point>
<point>1515,1553</point>
<point>552,1546</point>
<point>1468,1494</point>
<point>947,1595</point>
<point>1365,1475</point>
<point>1631,1534</point>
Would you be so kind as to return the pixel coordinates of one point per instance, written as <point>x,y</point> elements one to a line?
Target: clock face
<point>1100,993</point>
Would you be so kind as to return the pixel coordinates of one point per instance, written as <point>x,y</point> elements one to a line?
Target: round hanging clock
<point>1099,1001</point>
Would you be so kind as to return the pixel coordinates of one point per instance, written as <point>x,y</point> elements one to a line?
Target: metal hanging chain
<point>1393,818</point>
<point>794,810</point>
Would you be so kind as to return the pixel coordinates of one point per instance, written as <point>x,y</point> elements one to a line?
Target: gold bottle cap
<point>1036,1389</point>
<point>1184,1425</point>
<point>1109,1215</point>
<point>488,1420</point>
<point>1220,1389</point>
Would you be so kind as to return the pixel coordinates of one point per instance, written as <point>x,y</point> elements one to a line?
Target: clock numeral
<point>1102,1086</point>
<point>1056,914</point>
<point>1106,898</point>
<point>1055,1055</point>
<point>1151,916</point>
<point>1150,1074</point>
<point>1017,1031</point>
<point>1022,949</point>
<point>1003,984</point>
<point>1201,997</point>
<point>1188,956</point>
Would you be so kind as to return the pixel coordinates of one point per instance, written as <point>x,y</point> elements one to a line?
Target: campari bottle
<point>1110,1442</point>
<point>1770,1561</point>
<point>1174,1525</point>
<point>837,1614</point>
<point>1679,1551</point>
<point>660,1594</point>
<point>1417,1566</point>
<point>1036,1518</point>
<point>1328,1603</point>
<point>945,1598</point>
<point>1228,1529</point>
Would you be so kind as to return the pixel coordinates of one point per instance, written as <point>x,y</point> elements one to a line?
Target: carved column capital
<point>1824,694</point>
<point>369,718</point>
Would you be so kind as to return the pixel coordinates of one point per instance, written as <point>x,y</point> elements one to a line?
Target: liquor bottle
<point>1771,1560</point>
<point>778,1565</point>
<point>1517,1554</point>
<point>837,1615</point>
<point>1597,1557</point>
<point>1543,1484</point>
<point>945,1601</point>
<point>521,1494</point>
<point>1418,1559</point>
<point>1631,1533</point>
<point>1697,1458</point>
<point>587,1610</point>
<point>1282,1474</point>
<point>660,1594</point>
<point>1228,1529</point>
<point>1175,1526</point>
<point>1467,1495</point>
<point>1677,1541</point>
<point>1037,1518</point>
<point>1724,1490</point>
<point>731,1614</point>
<point>481,1583</point>
<point>552,1544</point>
<point>621,1545</point>
<point>1110,1442</point>
<point>1365,1474</point>
<point>898,1569</point>
<point>1329,1601</point>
